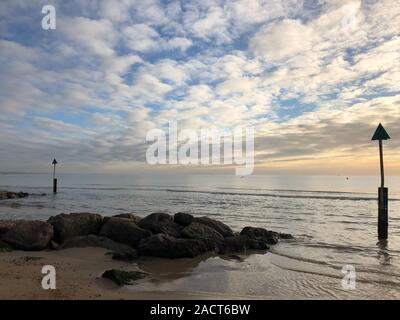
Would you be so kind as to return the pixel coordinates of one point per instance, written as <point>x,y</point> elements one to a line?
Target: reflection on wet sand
<point>164,270</point>
<point>383,252</point>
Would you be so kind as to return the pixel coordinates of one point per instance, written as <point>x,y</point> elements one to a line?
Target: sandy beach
<point>78,274</point>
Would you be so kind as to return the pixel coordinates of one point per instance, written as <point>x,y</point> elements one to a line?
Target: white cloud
<point>143,38</point>
<point>98,36</point>
<point>212,24</point>
<point>284,40</point>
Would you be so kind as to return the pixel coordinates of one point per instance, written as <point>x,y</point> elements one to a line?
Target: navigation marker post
<point>54,176</point>
<point>380,135</point>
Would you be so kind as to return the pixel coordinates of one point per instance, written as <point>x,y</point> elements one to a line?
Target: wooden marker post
<point>54,176</point>
<point>381,134</point>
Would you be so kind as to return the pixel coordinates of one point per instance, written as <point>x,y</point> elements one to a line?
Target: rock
<point>124,256</point>
<point>256,244</point>
<point>54,245</point>
<point>123,277</point>
<point>165,246</point>
<point>218,226</point>
<point>123,230</point>
<point>235,243</point>
<point>200,231</point>
<point>5,247</point>
<point>241,243</point>
<point>261,234</point>
<point>160,222</point>
<point>285,236</point>
<point>182,218</point>
<point>75,224</point>
<point>6,225</point>
<point>130,216</point>
<point>100,242</point>
<point>29,235</point>
<point>12,195</point>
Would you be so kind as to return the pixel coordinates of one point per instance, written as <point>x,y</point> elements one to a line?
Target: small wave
<point>17,205</point>
<point>297,193</point>
<point>295,190</point>
<point>300,259</point>
<point>337,247</point>
<point>272,195</point>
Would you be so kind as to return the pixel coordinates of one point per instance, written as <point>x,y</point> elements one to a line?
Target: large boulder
<point>270,237</point>
<point>29,235</point>
<point>200,231</point>
<point>182,218</point>
<point>130,216</point>
<point>100,242</point>
<point>75,224</point>
<point>123,230</point>
<point>165,246</point>
<point>160,222</point>
<point>6,225</point>
<point>241,243</point>
<point>218,226</point>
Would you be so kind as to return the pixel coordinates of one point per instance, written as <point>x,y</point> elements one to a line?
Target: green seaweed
<point>5,247</point>
<point>123,277</point>
<point>29,258</point>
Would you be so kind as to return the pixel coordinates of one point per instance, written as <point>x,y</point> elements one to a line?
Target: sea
<point>335,253</point>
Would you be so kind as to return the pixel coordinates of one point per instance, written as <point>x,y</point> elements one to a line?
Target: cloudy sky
<point>314,77</point>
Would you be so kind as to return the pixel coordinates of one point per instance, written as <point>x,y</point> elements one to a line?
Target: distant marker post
<point>380,135</point>
<point>54,176</point>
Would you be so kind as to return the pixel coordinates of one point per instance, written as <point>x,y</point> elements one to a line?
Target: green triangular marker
<point>380,134</point>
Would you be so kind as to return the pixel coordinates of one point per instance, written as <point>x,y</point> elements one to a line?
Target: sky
<point>313,77</point>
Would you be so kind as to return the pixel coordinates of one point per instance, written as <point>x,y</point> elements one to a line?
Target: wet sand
<point>78,276</point>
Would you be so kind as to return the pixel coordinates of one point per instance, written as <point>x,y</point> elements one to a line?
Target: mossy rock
<point>123,256</point>
<point>5,247</point>
<point>123,277</point>
<point>29,258</point>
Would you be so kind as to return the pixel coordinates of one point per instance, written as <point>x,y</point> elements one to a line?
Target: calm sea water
<point>333,219</point>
